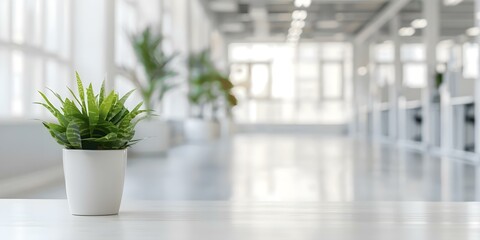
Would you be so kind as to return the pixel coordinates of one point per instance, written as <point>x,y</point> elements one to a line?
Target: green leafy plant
<point>207,85</point>
<point>155,64</point>
<point>438,79</point>
<point>93,121</point>
<point>227,93</point>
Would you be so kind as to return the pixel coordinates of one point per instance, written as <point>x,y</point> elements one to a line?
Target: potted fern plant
<point>95,130</point>
<point>155,80</point>
<point>207,87</point>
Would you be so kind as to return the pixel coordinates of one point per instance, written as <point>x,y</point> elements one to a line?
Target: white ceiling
<point>246,19</point>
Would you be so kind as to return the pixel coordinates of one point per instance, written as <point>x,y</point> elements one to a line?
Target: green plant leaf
<point>56,95</point>
<point>93,111</point>
<point>107,138</point>
<point>71,110</point>
<point>73,134</point>
<point>106,105</point>
<point>61,119</point>
<point>48,102</point>
<point>81,92</point>
<point>119,105</point>
<point>147,46</point>
<point>53,126</point>
<point>84,109</point>
<point>60,137</point>
<point>102,93</point>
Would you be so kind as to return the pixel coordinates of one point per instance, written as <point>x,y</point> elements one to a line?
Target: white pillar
<point>374,93</point>
<point>94,40</point>
<point>360,87</point>
<point>395,88</point>
<point>176,105</point>
<point>355,120</point>
<point>477,87</point>
<point>431,12</point>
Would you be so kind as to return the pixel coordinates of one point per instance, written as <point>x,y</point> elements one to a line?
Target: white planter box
<point>197,130</point>
<point>155,134</point>
<point>94,180</point>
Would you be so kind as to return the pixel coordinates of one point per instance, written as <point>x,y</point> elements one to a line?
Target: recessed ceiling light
<point>362,71</point>
<point>451,2</point>
<point>473,31</point>
<point>446,42</point>
<point>232,27</point>
<point>223,6</point>
<point>329,24</point>
<point>298,24</point>
<point>339,16</point>
<point>293,37</point>
<point>299,15</point>
<point>406,31</point>
<point>339,36</point>
<point>294,31</point>
<point>303,3</point>
<point>419,23</point>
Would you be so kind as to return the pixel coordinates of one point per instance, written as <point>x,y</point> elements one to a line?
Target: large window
<point>384,71</point>
<point>470,60</point>
<point>414,67</point>
<point>283,83</point>
<point>332,80</point>
<point>36,46</point>
<point>34,53</point>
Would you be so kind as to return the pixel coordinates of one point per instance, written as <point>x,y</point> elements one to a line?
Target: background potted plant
<point>96,130</point>
<point>208,88</point>
<point>155,80</point>
<point>227,102</point>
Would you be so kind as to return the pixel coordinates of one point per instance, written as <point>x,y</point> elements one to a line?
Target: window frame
<point>39,51</point>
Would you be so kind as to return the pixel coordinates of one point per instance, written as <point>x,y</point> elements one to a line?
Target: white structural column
<point>364,88</point>
<point>94,40</point>
<point>360,87</point>
<point>396,86</point>
<point>355,122</point>
<point>431,12</point>
<point>477,87</point>
<point>176,104</point>
<point>374,91</point>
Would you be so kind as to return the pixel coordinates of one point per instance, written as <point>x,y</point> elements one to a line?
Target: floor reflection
<point>274,167</point>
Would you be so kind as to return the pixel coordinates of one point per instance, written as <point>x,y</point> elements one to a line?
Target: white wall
<point>25,147</point>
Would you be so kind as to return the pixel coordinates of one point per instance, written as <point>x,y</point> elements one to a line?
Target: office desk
<point>50,219</point>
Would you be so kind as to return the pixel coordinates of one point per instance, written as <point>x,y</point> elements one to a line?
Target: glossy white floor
<point>275,167</point>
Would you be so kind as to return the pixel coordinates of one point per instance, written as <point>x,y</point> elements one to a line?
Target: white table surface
<point>50,219</point>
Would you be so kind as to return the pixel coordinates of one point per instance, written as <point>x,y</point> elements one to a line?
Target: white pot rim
<point>89,150</point>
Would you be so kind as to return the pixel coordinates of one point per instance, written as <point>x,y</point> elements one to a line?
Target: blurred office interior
<point>334,100</point>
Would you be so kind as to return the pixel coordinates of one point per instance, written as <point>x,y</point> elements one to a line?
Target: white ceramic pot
<point>228,127</point>
<point>155,134</point>
<point>197,130</point>
<point>94,180</point>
